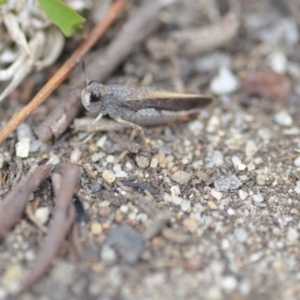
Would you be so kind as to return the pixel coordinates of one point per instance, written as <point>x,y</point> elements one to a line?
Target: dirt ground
<point>216,213</point>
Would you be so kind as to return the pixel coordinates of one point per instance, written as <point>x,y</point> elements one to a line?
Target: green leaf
<point>62,16</point>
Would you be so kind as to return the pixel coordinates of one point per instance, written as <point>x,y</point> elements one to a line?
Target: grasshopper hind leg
<point>153,117</point>
<point>136,127</point>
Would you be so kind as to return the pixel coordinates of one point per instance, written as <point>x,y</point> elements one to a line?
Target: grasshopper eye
<point>95,98</point>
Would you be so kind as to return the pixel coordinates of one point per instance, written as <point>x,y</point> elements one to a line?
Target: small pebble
<point>108,176</point>
<point>195,127</point>
<point>297,161</point>
<point>128,166</point>
<point>258,198</point>
<point>162,160</point>
<point>95,186</point>
<point>108,254</point>
<point>75,155</point>
<point>213,124</point>
<point>24,131</point>
<point>110,159</point>
<point>297,188</point>
<point>292,234</point>
<point>250,166</point>
<point>212,205</point>
<point>283,118</point>
<point>96,228</point>
<point>154,163</point>
<point>53,159</point>
<point>176,200</point>
<point>42,214</point>
<point>229,283</point>
<point>23,148</point>
<point>251,148</point>
<point>227,183</point>
<point>185,206</point>
<point>181,177</point>
<point>118,171</point>
<point>218,158</point>
<point>243,195</point>
<point>237,163</point>
<point>175,190</point>
<point>241,234</point>
<point>100,143</point>
<point>216,194</point>
<point>35,145</point>
<point>224,83</point>
<point>190,224</point>
<point>97,156</point>
<point>278,62</point>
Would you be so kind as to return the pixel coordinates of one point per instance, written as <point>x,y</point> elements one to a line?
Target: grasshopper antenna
<point>84,74</point>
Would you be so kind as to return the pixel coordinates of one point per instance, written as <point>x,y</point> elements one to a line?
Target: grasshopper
<point>136,107</point>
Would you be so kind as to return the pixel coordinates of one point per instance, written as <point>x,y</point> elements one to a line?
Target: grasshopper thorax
<point>92,96</point>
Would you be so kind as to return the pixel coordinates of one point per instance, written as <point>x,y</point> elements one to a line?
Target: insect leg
<point>96,120</point>
<point>136,127</point>
<point>153,117</point>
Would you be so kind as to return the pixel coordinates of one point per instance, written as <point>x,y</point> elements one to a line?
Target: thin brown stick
<point>13,205</point>
<point>62,73</point>
<point>99,67</point>
<point>63,218</point>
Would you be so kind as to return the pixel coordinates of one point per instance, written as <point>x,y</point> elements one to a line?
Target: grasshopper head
<point>92,96</point>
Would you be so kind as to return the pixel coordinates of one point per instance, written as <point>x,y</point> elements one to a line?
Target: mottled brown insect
<point>136,107</point>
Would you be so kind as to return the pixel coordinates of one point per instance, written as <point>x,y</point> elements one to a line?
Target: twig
<point>13,205</point>
<point>143,22</point>
<point>63,218</point>
<point>62,73</point>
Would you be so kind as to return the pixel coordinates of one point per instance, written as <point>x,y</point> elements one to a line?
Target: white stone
<point>100,143</point>
<point>216,194</point>
<point>292,234</point>
<point>278,62</point>
<point>110,159</point>
<point>53,160</point>
<point>297,188</point>
<point>42,214</point>
<point>186,206</point>
<point>297,161</point>
<point>224,83</point>
<point>176,200</point>
<point>229,283</point>
<point>75,155</point>
<point>108,254</point>
<point>154,163</point>
<point>258,198</point>
<point>124,209</point>
<point>218,158</point>
<point>195,126</point>
<point>175,190</point>
<point>35,145</point>
<point>243,195</point>
<point>128,166</point>
<point>118,171</point>
<point>237,163</point>
<point>251,148</point>
<point>283,118</point>
<point>23,148</point>
<point>241,234</point>
<point>97,156</point>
